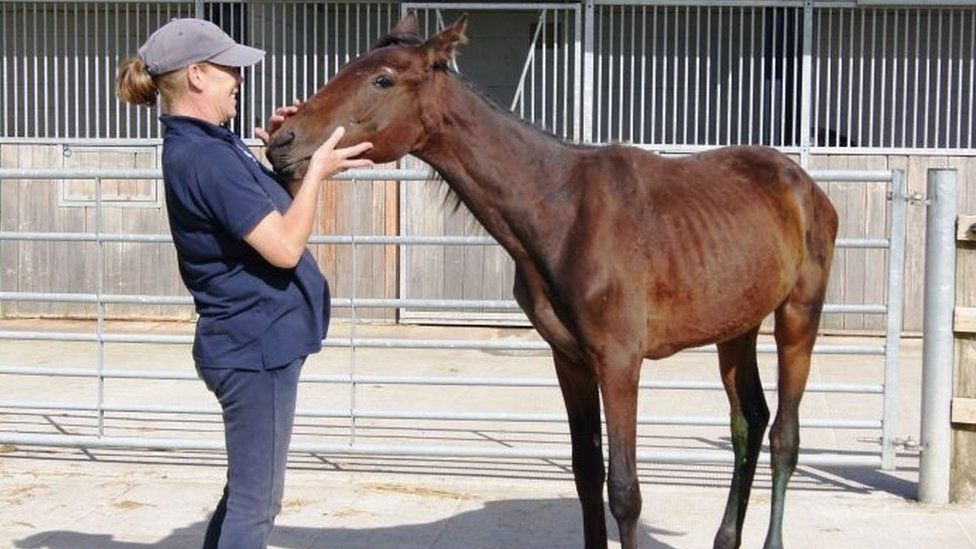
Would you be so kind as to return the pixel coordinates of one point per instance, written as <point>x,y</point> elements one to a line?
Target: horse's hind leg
<point>749,417</point>
<point>796,330</point>
<point>582,398</point>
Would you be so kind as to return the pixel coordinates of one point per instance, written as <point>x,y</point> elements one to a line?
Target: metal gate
<point>358,380</point>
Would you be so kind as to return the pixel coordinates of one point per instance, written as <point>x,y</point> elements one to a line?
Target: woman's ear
<point>442,47</point>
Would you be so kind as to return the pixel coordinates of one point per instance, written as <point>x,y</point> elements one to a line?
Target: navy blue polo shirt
<point>252,315</point>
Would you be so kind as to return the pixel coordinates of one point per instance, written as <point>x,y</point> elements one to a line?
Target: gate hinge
<point>907,443</point>
<point>914,198</point>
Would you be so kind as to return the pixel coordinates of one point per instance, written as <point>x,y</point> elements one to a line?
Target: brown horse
<point>620,255</point>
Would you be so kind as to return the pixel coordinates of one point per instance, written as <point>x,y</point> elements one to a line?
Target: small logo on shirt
<point>247,152</point>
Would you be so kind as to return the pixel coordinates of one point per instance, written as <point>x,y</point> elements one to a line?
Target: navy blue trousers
<point>259,411</point>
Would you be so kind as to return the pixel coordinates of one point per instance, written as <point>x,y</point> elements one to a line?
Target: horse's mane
<point>451,198</point>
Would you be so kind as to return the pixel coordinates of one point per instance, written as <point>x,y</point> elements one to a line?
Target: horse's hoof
<point>726,539</point>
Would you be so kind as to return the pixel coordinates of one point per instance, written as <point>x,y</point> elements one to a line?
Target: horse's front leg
<point>619,373</point>
<point>582,398</point>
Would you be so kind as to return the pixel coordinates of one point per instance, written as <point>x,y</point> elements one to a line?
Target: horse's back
<point>720,234</point>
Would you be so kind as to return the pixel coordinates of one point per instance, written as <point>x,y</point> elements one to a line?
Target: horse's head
<point>376,97</point>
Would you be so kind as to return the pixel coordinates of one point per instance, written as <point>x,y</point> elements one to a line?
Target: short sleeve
<point>229,191</point>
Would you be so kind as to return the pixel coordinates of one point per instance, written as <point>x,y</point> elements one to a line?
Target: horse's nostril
<point>285,139</point>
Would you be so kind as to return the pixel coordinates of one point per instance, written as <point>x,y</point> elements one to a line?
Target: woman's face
<point>221,84</point>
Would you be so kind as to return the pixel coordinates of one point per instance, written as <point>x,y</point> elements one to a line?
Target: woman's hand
<point>327,160</point>
<point>279,116</point>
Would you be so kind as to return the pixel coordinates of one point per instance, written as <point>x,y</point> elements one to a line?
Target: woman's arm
<point>281,239</point>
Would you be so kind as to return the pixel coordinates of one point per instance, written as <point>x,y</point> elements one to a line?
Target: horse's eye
<point>383,81</point>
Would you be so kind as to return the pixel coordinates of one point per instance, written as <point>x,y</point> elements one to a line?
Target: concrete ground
<point>74,498</point>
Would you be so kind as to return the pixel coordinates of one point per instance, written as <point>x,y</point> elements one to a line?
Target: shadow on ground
<point>521,523</point>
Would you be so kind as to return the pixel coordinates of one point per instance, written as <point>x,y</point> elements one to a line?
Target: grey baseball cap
<point>184,41</point>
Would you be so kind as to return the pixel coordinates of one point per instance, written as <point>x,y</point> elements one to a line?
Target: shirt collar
<point>197,126</point>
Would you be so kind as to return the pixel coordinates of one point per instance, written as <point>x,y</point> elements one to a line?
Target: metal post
<point>937,346</point>
<point>893,303</point>
<point>198,8</point>
<point>587,114</point>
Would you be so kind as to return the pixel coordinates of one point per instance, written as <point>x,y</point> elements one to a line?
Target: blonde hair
<point>135,85</point>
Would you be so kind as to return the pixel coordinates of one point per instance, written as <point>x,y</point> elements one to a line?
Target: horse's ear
<point>442,47</point>
<point>407,27</point>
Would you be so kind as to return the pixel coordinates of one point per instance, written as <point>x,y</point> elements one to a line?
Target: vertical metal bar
<point>772,80</point>
<point>796,68</point>
<point>5,80</point>
<point>198,9</point>
<point>740,109</point>
<point>938,88</point>
<point>583,102</point>
<point>893,301</point>
<point>352,310</point>
<point>116,104</point>
<point>544,73</point>
<point>708,75</point>
<point>948,55</point>
<point>47,84</point>
<point>654,135</point>
<point>811,129</point>
<point>718,80</point>
<point>99,289</point>
<point>829,72</point>
<point>762,84</point>
<point>620,85</point>
<point>860,84</point>
<point>664,76</point>
<point>925,113</point>
<point>274,60</point>
<point>94,104</point>
<point>752,71</point>
<point>698,33</point>
<point>937,346</point>
<point>36,120</point>
<point>860,81</point>
<point>840,74</point>
<point>567,91</point>
<point>88,117</point>
<point>610,75</point>
<point>315,46</point>
<point>904,120</point>
<point>555,72</point>
<point>633,79</point>
<point>728,86</point>
<point>598,89</point>
<point>894,80</point>
<point>674,82</point>
<point>806,94</point>
<point>685,104</point>
<point>972,70</point>
<point>884,82</point>
<point>850,79</point>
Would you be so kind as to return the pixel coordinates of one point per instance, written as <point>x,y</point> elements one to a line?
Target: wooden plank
<point>963,410</point>
<point>964,320</point>
<point>9,221</point>
<point>966,228</point>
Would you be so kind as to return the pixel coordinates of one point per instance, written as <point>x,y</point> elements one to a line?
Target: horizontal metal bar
<point>364,303</point>
<point>563,453</point>
<point>422,380</point>
<point>345,413</point>
<point>333,239</point>
<point>863,243</point>
<point>394,343</point>
<point>704,3</point>
<point>352,175</point>
<point>852,176</point>
<point>156,173</point>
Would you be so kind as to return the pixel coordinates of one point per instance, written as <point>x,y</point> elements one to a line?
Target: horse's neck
<point>503,170</point>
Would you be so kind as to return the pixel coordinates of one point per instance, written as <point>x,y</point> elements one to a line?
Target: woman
<point>241,242</point>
